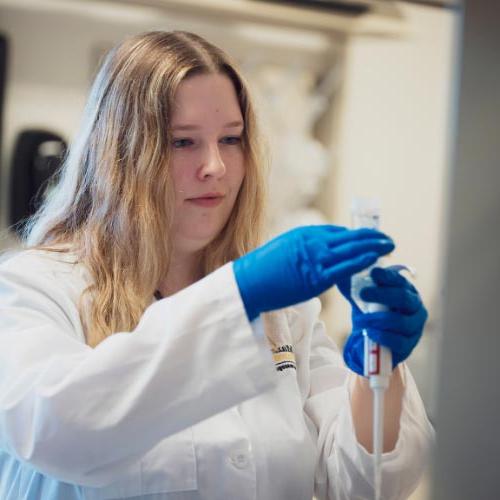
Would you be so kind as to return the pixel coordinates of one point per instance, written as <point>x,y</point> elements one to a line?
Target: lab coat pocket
<point>171,465</point>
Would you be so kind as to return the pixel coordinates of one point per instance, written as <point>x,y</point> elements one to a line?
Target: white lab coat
<point>188,406</point>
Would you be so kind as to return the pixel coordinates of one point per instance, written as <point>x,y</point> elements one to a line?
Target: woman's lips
<point>209,201</point>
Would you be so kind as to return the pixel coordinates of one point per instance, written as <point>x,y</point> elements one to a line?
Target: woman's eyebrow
<point>238,123</point>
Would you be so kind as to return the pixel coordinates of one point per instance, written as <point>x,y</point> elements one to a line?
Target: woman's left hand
<point>399,327</point>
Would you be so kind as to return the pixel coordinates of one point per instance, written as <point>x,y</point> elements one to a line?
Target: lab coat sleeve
<point>78,413</point>
<point>345,468</point>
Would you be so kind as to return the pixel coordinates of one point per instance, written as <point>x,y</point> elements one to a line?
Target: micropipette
<point>377,359</point>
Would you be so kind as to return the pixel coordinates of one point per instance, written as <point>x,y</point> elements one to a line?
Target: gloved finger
<point>339,238</point>
<point>347,268</point>
<point>327,228</point>
<point>344,287</point>
<point>398,299</point>
<point>393,322</point>
<point>390,277</point>
<point>346,251</point>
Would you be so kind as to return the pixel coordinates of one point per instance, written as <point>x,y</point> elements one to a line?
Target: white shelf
<point>383,19</point>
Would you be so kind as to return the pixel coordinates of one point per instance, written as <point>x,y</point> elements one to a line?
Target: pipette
<point>377,359</point>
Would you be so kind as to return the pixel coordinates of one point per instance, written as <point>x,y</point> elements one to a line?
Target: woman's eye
<point>181,143</point>
<point>231,140</point>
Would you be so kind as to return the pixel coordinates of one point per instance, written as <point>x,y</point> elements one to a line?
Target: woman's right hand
<point>304,262</point>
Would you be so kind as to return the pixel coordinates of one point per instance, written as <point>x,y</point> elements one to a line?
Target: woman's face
<point>207,158</point>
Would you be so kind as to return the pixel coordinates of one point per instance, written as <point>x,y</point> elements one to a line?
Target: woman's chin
<point>194,243</point>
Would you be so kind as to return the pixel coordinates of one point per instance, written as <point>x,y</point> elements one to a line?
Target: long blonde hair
<point>113,202</point>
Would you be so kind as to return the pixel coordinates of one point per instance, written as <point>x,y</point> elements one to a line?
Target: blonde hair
<point>113,202</point>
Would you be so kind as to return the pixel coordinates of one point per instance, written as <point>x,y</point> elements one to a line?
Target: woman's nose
<point>212,164</point>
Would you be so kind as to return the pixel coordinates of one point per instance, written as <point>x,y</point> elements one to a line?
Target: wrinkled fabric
<point>187,406</point>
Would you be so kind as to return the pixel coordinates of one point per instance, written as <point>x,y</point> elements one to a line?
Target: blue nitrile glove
<point>399,328</point>
<point>304,262</point>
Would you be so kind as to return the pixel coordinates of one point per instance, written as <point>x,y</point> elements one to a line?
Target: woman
<point>137,326</point>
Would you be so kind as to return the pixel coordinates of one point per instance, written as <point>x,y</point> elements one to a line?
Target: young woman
<point>149,348</point>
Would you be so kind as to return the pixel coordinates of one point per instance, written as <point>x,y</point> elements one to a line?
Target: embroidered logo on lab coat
<point>284,357</point>
<point>280,340</point>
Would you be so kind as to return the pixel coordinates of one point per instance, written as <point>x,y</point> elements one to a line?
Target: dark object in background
<point>356,7</point>
<point>37,156</point>
<point>344,6</point>
<point>3,80</point>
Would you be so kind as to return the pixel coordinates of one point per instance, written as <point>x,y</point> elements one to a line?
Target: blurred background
<point>354,98</point>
